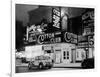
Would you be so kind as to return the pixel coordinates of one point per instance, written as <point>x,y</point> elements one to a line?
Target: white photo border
<point>39,74</point>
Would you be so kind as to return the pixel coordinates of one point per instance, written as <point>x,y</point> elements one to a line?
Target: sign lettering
<point>88,15</point>
<point>49,38</point>
<point>70,38</point>
<point>56,17</point>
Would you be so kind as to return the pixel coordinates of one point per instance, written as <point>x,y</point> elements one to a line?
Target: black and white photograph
<point>53,38</point>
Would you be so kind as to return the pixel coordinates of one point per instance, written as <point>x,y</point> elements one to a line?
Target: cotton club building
<point>60,45</point>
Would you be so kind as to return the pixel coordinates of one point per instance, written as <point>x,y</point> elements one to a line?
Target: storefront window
<point>77,54</point>
<point>64,53</point>
<point>67,54</point>
<point>48,51</point>
<point>37,58</point>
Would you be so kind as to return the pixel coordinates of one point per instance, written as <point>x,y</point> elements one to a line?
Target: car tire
<point>84,66</point>
<point>23,60</point>
<point>50,67</point>
<point>40,66</point>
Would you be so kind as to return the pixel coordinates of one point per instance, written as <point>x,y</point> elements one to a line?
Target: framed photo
<point>51,37</point>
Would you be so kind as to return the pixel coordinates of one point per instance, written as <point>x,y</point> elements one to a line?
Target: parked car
<point>88,63</point>
<point>41,62</point>
<point>23,59</point>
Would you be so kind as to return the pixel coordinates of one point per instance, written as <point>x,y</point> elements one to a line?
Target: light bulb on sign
<point>40,30</point>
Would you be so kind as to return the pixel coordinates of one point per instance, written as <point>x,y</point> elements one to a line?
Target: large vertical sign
<point>56,17</point>
<point>88,22</point>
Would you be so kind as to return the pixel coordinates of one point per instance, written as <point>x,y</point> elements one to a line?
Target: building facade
<point>64,46</point>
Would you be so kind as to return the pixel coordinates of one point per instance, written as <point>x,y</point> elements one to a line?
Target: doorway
<point>73,55</point>
<point>66,57</point>
<point>57,56</point>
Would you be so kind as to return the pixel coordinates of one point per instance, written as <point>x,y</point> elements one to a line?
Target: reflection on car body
<point>88,63</point>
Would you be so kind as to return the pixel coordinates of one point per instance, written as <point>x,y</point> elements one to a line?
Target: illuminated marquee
<point>56,37</point>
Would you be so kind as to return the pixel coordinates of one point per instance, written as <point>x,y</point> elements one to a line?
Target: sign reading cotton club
<point>70,38</point>
<point>49,38</point>
<point>56,37</point>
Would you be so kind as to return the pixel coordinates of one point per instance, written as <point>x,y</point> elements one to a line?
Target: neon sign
<point>56,17</point>
<point>70,37</point>
<point>88,15</point>
<point>49,38</point>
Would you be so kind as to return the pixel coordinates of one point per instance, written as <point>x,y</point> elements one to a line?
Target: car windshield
<point>36,58</point>
<point>46,57</point>
<point>42,58</point>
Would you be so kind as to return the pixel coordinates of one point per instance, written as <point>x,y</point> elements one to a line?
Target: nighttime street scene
<point>52,38</point>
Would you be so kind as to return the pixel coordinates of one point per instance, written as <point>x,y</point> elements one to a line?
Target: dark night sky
<point>22,12</point>
<point>22,18</point>
<point>23,9</point>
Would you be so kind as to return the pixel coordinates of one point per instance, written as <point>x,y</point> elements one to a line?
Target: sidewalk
<point>19,63</point>
<point>22,64</point>
<point>61,65</point>
<point>73,65</point>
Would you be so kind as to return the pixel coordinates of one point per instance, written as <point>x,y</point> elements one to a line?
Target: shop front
<point>88,31</point>
<point>64,51</point>
<point>60,45</point>
<point>61,52</point>
<point>85,47</point>
<point>68,55</point>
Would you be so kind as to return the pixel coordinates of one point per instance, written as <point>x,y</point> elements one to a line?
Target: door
<point>73,55</point>
<point>58,56</point>
<point>66,57</point>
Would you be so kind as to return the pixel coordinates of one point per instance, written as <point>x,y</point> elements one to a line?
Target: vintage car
<point>88,63</point>
<point>41,62</point>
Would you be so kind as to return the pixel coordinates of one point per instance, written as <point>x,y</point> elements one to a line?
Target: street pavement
<point>24,69</point>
